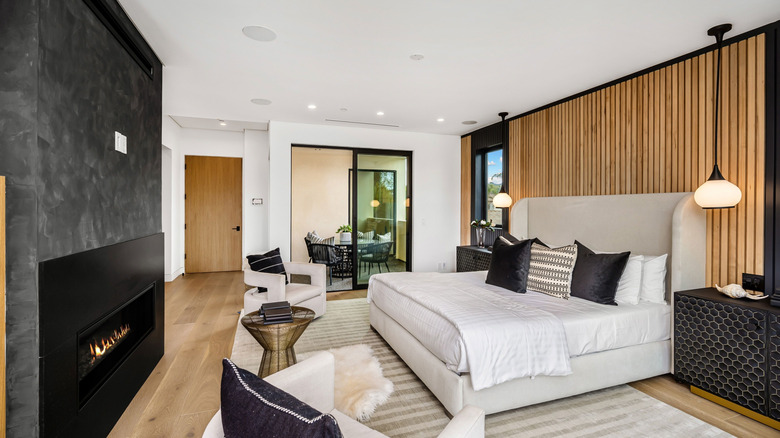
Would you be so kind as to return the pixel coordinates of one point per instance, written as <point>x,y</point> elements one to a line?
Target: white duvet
<point>502,339</point>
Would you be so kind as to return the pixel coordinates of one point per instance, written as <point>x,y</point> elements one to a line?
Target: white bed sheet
<point>589,327</point>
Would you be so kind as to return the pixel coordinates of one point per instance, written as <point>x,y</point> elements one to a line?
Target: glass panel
<point>494,176</point>
<point>382,210</point>
<point>321,188</point>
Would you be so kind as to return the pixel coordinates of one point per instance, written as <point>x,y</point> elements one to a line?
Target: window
<point>488,180</point>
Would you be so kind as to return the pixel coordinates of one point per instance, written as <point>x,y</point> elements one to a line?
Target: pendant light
<point>717,192</point>
<point>502,198</point>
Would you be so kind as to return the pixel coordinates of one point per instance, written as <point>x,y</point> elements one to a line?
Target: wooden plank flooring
<point>201,313</point>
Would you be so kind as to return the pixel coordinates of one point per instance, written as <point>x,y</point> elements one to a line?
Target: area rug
<point>413,411</point>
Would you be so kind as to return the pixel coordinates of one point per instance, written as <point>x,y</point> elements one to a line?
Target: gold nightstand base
<point>736,408</point>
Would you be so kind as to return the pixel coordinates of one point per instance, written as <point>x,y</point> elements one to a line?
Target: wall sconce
<point>375,203</point>
<point>717,192</point>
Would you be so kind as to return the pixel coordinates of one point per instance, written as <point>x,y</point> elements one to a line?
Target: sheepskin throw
<point>359,384</point>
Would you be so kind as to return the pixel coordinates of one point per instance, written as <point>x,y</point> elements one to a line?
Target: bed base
<point>590,372</point>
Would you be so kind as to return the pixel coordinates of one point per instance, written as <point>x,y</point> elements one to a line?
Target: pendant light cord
<point>719,38</point>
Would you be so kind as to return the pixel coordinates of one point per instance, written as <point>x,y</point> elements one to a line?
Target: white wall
<point>252,147</point>
<point>435,184</point>
<point>171,172</point>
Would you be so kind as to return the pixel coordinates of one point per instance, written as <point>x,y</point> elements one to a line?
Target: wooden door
<point>212,214</point>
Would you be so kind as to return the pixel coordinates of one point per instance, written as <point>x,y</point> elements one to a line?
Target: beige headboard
<point>648,224</point>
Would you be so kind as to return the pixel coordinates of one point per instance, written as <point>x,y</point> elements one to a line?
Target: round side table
<point>277,340</point>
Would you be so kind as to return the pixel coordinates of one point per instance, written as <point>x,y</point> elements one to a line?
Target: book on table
<point>274,305</point>
<point>277,315</point>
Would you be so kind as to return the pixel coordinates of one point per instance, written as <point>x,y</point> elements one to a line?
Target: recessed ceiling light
<point>470,122</point>
<point>259,33</point>
<point>344,109</point>
<point>380,113</point>
<point>261,101</point>
<point>440,119</point>
<point>222,123</point>
<point>416,57</point>
<point>312,106</point>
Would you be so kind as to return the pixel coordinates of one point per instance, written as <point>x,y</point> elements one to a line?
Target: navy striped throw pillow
<point>252,407</point>
<point>268,263</point>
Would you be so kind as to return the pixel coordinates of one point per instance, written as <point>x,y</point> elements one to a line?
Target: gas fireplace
<point>101,334</point>
<point>105,344</point>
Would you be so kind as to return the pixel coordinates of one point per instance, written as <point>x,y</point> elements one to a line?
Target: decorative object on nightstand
<point>480,227</point>
<point>736,291</point>
<point>472,258</point>
<point>728,350</point>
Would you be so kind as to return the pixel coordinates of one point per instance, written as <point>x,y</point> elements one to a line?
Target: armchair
<point>312,381</point>
<point>311,296</point>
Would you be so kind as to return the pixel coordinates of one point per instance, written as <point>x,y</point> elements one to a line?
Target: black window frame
<point>479,193</point>
<point>483,140</point>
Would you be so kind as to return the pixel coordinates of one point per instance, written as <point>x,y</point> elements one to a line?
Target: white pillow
<point>653,279</point>
<point>630,282</point>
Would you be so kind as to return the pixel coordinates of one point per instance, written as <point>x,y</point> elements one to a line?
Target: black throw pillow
<point>269,263</point>
<point>596,276</point>
<point>509,264</point>
<point>512,239</point>
<point>252,407</point>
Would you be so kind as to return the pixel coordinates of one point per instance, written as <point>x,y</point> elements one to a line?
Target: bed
<point>651,224</point>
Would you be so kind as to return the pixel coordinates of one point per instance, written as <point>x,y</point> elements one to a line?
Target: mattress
<point>589,327</point>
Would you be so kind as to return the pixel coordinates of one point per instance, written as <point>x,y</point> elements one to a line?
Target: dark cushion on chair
<point>269,263</point>
<point>596,276</point>
<point>509,264</point>
<point>252,407</point>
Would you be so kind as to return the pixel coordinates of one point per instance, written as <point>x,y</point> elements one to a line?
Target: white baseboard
<point>170,277</point>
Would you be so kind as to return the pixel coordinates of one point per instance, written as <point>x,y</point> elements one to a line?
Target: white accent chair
<point>312,381</point>
<point>311,296</point>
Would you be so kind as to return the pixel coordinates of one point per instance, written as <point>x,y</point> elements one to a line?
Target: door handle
<point>236,228</point>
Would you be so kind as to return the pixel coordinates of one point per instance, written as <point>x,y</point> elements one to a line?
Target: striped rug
<point>412,411</point>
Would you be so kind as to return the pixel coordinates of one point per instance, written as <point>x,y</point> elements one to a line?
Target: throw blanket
<point>503,340</point>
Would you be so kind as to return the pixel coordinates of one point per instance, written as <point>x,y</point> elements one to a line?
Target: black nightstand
<point>472,258</point>
<point>728,350</point>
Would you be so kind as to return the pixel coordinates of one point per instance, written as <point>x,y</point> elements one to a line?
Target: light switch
<point>120,142</point>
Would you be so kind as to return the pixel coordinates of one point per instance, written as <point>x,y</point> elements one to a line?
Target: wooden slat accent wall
<point>2,306</point>
<point>465,190</point>
<point>654,134</point>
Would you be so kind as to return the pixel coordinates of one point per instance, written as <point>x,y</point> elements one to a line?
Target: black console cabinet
<point>473,258</point>
<point>729,348</point>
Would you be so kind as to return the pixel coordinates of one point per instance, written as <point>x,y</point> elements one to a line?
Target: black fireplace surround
<point>111,297</point>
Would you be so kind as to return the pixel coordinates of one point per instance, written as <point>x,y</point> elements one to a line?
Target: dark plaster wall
<point>66,85</point>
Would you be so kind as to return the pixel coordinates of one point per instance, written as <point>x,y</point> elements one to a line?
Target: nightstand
<point>472,258</point>
<point>728,350</point>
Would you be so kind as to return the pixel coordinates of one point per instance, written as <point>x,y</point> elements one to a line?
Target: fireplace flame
<point>101,347</point>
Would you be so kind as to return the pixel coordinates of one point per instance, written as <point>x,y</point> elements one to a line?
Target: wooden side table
<point>277,340</point>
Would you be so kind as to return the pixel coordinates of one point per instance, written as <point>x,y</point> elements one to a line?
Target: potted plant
<point>345,235</point>
<point>480,226</point>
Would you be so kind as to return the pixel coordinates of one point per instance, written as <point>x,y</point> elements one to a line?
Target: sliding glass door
<point>381,214</point>
<point>368,190</point>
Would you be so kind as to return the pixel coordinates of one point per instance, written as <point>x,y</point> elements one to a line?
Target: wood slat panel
<point>654,134</point>
<point>465,190</point>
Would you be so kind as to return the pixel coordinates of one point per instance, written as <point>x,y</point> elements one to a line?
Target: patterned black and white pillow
<point>551,270</point>
<point>324,240</point>
<point>268,263</point>
<point>253,407</point>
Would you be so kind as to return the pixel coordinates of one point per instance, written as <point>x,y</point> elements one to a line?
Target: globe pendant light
<point>502,198</point>
<point>717,192</point>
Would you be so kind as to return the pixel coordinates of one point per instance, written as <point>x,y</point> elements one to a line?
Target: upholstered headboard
<point>648,224</point>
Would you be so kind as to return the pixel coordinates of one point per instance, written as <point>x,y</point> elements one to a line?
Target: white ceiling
<point>217,124</point>
<point>481,57</point>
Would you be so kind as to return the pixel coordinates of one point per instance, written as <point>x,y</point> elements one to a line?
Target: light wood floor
<point>201,313</point>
